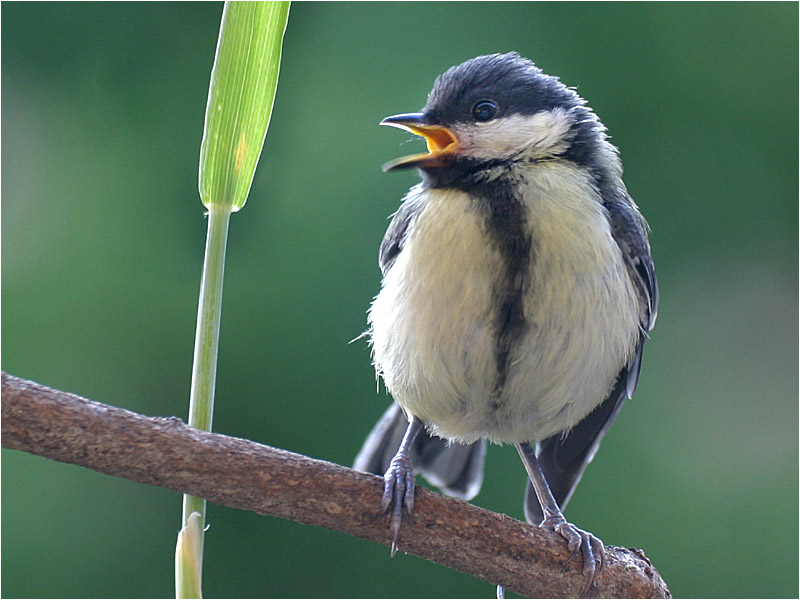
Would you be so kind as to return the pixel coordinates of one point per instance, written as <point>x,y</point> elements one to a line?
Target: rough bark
<point>243,474</point>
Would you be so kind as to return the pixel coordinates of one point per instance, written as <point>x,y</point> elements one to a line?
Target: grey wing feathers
<point>565,457</point>
<point>454,468</point>
<point>629,230</point>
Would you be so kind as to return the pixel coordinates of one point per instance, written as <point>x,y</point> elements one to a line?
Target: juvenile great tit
<point>518,290</point>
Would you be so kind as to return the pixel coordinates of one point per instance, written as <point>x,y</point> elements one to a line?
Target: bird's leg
<point>398,481</point>
<point>579,541</point>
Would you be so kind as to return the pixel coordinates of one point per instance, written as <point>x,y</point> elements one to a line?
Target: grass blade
<point>240,99</point>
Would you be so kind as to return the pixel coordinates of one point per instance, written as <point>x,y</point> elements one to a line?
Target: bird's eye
<point>484,110</point>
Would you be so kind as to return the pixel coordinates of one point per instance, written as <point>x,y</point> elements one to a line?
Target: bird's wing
<point>395,236</point>
<point>629,230</point>
<point>565,457</point>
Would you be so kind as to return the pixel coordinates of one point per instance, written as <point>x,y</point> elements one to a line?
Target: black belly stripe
<point>506,227</point>
<point>505,216</point>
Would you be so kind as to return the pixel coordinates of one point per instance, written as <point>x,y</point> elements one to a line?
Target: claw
<point>398,493</point>
<point>582,542</point>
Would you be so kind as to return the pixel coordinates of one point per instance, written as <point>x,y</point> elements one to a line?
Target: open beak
<point>441,142</point>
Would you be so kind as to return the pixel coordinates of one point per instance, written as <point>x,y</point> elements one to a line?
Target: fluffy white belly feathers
<point>434,322</point>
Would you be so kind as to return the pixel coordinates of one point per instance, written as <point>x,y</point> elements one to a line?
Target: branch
<point>243,474</point>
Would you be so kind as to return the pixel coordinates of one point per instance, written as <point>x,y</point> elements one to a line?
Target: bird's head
<point>496,111</point>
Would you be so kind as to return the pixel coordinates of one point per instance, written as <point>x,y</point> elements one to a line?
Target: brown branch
<point>246,475</point>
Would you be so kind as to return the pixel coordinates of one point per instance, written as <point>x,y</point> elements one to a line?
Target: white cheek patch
<point>536,136</point>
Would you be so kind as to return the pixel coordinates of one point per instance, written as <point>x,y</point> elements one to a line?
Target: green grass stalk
<point>201,396</point>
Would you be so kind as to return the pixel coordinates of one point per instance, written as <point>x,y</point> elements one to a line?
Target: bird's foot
<point>398,493</point>
<point>582,542</point>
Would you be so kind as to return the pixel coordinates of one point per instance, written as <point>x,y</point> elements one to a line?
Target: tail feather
<point>456,469</point>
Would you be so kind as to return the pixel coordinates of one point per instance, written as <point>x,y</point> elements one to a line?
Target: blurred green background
<point>102,240</point>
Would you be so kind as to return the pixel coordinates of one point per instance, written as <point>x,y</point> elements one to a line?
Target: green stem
<point>206,343</point>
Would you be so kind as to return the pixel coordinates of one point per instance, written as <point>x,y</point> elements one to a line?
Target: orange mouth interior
<point>440,141</point>
<point>437,138</point>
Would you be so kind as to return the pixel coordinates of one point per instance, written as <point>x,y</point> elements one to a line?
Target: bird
<point>517,293</point>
